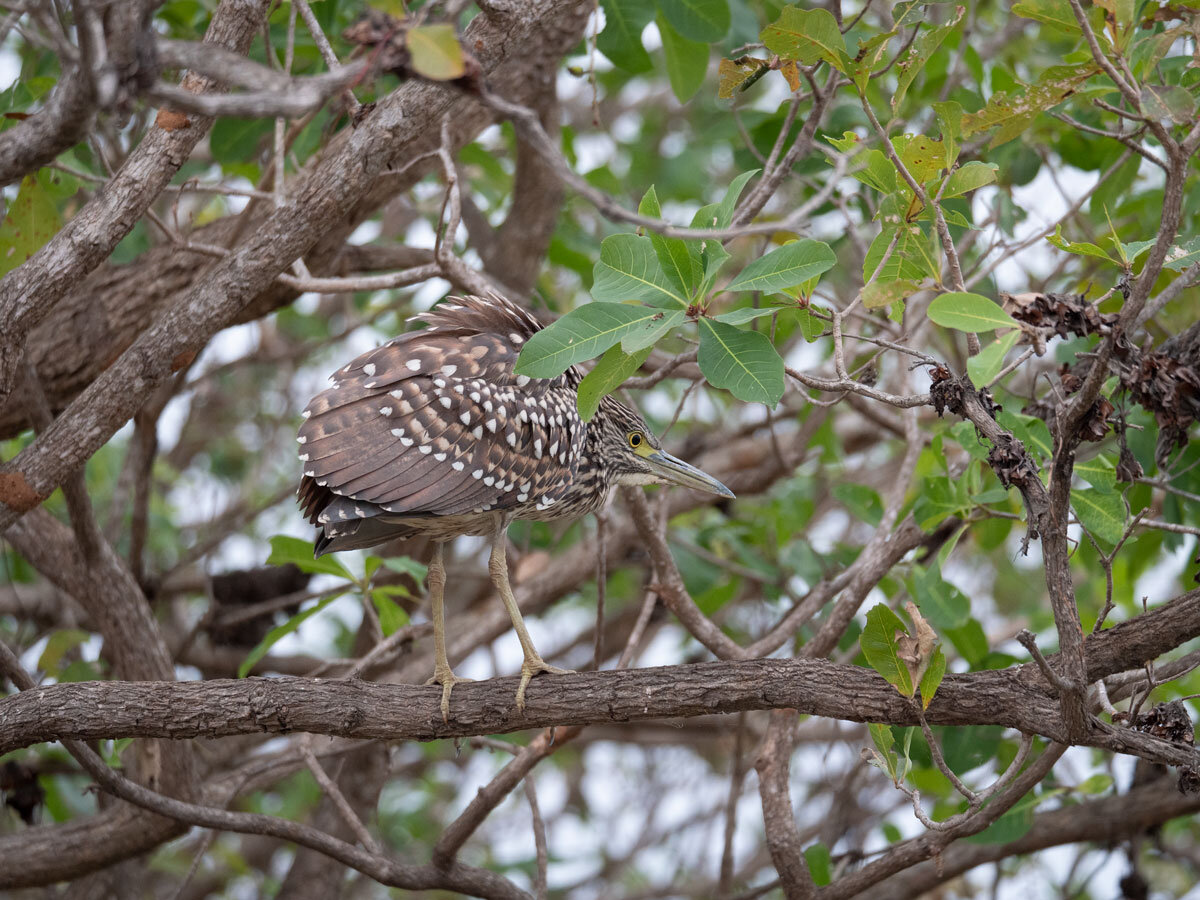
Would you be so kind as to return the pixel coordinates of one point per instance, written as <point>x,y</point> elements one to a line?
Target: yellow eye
<point>635,439</point>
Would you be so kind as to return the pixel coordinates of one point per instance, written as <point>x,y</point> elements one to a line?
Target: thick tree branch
<point>30,292</point>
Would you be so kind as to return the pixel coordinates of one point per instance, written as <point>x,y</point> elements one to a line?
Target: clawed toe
<point>535,666</point>
<point>447,679</point>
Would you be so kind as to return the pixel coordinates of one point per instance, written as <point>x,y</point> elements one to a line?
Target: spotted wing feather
<point>437,423</point>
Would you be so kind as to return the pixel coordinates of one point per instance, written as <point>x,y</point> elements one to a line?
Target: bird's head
<point>635,456</point>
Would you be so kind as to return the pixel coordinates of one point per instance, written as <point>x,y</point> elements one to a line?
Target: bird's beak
<point>676,471</point>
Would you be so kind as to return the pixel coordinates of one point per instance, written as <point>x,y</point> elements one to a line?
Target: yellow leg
<point>533,664</point>
<point>442,674</point>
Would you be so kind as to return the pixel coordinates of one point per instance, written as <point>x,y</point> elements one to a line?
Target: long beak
<point>676,471</point>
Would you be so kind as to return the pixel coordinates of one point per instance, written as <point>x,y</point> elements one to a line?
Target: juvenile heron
<point>434,434</point>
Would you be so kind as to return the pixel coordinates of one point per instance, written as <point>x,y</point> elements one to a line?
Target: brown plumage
<point>434,433</point>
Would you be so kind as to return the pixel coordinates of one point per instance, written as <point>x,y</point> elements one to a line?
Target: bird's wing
<point>436,422</point>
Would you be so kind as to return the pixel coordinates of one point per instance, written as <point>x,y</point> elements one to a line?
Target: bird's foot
<point>535,665</point>
<point>447,679</point>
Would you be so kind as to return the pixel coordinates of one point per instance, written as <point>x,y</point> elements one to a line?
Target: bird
<point>435,433</point>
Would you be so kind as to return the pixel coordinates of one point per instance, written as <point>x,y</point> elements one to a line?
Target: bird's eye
<point>635,439</point>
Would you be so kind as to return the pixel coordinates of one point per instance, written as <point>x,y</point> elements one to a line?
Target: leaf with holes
<point>1011,112</point>
<point>743,362</point>
<point>738,74</point>
<point>918,55</point>
<point>610,373</point>
<point>580,335</point>
<point>785,267</point>
<point>628,269</point>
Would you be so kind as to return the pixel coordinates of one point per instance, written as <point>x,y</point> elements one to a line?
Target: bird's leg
<point>442,673</point>
<point>533,664</point>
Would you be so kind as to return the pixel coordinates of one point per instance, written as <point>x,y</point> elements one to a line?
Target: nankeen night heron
<point>434,434</point>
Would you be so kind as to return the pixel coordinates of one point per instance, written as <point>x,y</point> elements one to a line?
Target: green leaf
<point>392,616</point>
<point>937,501</point>
<point>743,362</point>
<point>435,51</point>
<point>1079,249</point>
<point>628,269</point>
<point>884,740</point>
<point>280,631</point>
<point>1170,102</point>
<point>1029,430</point>
<point>969,641</point>
<point>1099,783</point>
<point>870,56</point>
<point>973,313</point>
<point>610,373</point>
<point>1009,827</point>
<point>909,261</point>
<point>299,552</point>
<point>1098,472</point>
<point>406,565</point>
<point>621,39</point>
<point>1052,12</point>
<point>918,55</point>
<point>651,332</point>
<point>882,737</point>
<point>950,116</point>
<point>680,261</point>
<point>807,36</point>
<point>57,646</point>
<point>698,20</point>
<point>862,502</point>
<point>811,326</point>
<point>1103,514</point>
<point>987,363</point>
<point>237,140</point>
<point>749,314</point>
<point>969,177</point>
<point>722,215</point>
<point>933,676</point>
<point>880,294</point>
<point>877,171</point>
<point>713,257</point>
<point>785,267</point>
<point>580,335</point>
<point>820,864</point>
<point>944,605</point>
<point>879,645</point>
<point>1180,258</point>
<point>687,61</point>
<point>31,221</point>
<point>1011,112</point>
